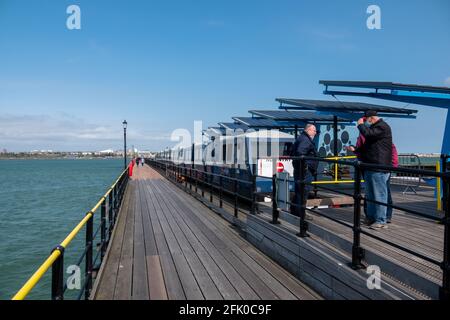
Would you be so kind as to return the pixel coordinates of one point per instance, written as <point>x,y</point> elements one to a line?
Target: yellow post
<point>438,186</point>
<point>336,172</point>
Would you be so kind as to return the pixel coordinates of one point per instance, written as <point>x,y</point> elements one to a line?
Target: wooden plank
<point>140,281</point>
<point>241,288</point>
<point>188,281</point>
<point>107,280</point>
<point>157,287</point>
<point>124,276</point>
<point>171,279</point>
<point>207,286</point>
<point>197,248</point>
<point>216,236</point>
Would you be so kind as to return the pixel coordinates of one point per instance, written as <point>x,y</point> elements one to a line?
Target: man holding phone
<point>376,149</point>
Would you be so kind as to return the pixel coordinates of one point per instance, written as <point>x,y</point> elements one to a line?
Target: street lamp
<point>124,143</point>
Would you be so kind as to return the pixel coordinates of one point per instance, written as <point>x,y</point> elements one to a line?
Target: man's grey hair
<point>309,125</point>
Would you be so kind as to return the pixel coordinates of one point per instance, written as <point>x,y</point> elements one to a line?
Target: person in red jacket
<point>357,151</point>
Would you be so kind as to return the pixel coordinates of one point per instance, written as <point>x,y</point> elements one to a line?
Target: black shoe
<point>388,221</point>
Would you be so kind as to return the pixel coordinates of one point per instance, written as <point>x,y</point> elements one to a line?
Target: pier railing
<point>109,205</point>
<point>213,184</point>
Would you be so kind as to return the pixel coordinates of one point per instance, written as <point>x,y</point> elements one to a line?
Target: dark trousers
<point>295,209</point>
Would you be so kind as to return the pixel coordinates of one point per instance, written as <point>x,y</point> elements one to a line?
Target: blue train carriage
<point>235,156</point>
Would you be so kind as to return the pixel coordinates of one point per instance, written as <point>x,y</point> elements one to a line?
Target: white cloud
<point>66,132</point>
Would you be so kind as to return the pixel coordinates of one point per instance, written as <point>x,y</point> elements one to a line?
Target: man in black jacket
<point>377,149</point>
<point>304,146</point>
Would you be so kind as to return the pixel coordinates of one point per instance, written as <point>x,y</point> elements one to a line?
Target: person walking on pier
<point>377,149</point>
<point>304,146</point>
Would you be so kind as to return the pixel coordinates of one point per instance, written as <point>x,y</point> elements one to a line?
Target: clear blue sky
<point>163,64</point>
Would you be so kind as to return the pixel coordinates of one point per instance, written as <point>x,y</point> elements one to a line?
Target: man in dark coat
<point>304,146</point>
<point>377,149</point>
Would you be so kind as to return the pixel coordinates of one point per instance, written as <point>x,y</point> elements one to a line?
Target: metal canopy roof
<point>336,107</point>
<point>253,122</point>
<point>233,126</point>
<point>295,115</point>
<point>214,130</point>
<point>409,93</point>
<point>385,86</point>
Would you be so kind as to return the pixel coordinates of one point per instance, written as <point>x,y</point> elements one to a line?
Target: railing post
<point>275,212</point>
<point>253,194</point>
<point>196,181</point>
<point>235,193</point>
<point>103,229</point>
<point>211,188</point>
<point>110,214</point>
<point>301,201</point>
<point>89,266</point>
<point>204,175</point>
<point>58,275</point>
<point>115,204</point>
<point>220,191</point>
<point>444,292</point>
<point>357,251</point>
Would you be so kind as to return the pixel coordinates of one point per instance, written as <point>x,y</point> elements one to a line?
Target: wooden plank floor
<point>167,245</point>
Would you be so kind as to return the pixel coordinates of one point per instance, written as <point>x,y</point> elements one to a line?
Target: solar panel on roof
<point>386,86</point>
<point>341,106</point>
<point>295,115</point>
<point>258,122</point>
<point>233,126</point>
<point>268,123</point>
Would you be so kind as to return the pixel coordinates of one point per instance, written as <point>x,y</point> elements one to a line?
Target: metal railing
<point>109,206</point>
<point>410,181</point>
<point>196,178</point>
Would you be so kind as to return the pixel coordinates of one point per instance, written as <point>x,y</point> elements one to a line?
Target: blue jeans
<point>389,209</point>
<point>376,184</point>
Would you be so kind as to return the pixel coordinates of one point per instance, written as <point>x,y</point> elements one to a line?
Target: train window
<point>269,147</point>
<point>286,148</point>
<point>224,152</point>
<point>213,152</point>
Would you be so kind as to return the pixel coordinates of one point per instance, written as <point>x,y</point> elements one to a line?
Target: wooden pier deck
<point>167,245</point>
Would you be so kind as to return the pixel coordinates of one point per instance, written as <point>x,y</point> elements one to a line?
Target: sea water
<point>41,201</point>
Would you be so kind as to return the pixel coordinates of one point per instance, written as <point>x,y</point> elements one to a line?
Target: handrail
<point>59,250</point>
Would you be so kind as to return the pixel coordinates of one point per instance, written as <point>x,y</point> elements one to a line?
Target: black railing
<point>205,180</point>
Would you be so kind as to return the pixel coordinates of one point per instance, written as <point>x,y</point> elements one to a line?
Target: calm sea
<point>41,201</point>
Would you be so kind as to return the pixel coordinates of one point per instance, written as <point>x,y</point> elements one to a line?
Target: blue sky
<point>163,64</point>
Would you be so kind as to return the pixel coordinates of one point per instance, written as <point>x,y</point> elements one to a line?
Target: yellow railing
<point>336,179</point>
<point>36,277</point>
<point>438,187</point>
